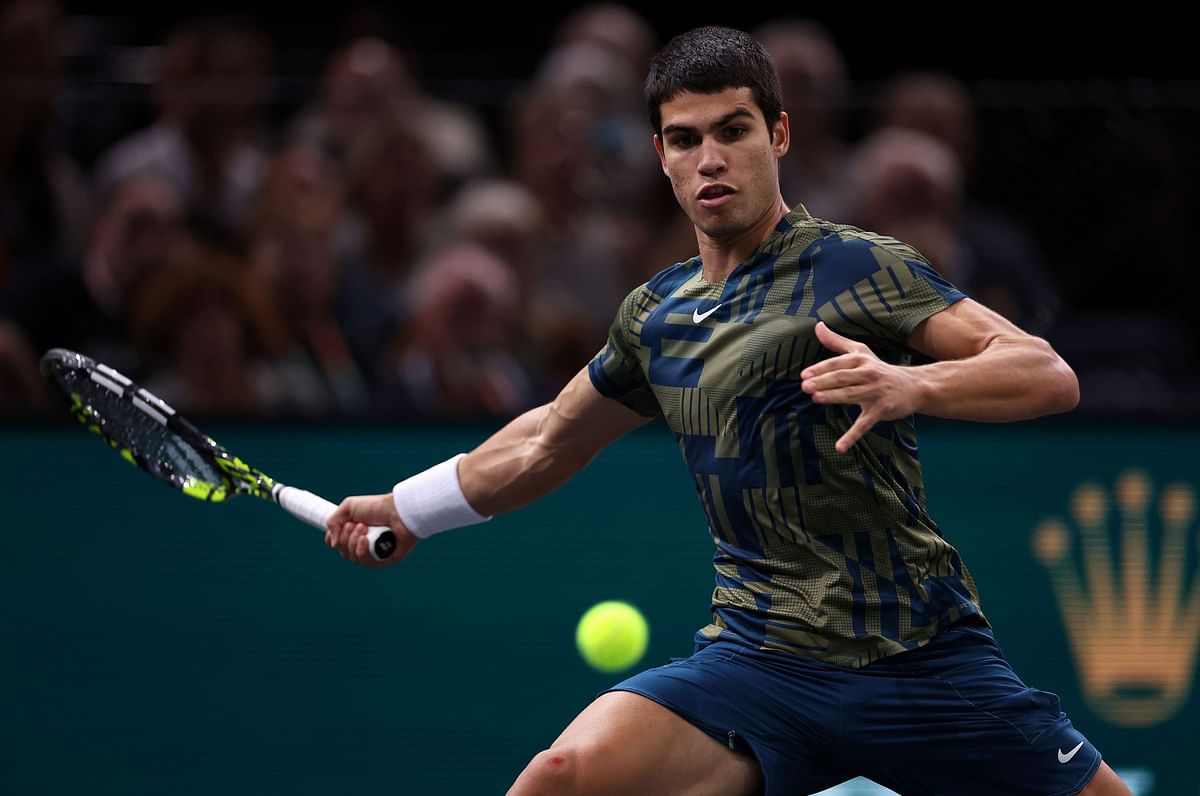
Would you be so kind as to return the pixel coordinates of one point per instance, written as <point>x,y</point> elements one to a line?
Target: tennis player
<point>847,636</point>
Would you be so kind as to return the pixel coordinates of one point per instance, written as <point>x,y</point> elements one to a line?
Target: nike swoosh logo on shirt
<point>698,316</point>
<point>1067,757</point>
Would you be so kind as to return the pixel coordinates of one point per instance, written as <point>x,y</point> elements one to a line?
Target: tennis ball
<point>612,636</point>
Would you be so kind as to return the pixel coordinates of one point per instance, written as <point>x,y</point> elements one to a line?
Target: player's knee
<point>554,771</point>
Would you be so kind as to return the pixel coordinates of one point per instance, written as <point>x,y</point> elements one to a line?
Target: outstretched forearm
<point>539,451</point>
<point>516,466</point>
<point>1012,378</point>
<point>987,369</point>
<point>532,455</point>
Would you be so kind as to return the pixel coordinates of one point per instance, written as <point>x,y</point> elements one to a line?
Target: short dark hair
<point>711,59</point>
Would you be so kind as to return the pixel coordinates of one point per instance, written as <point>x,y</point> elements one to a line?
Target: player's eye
<point>734,132</point>
<point>683,141</point>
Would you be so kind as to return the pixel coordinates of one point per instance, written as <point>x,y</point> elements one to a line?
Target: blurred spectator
<point>133,236</point>
<point>368,85</point>
<point>208,140</point>
<point>379,177</point>
<point>614,27</point>
<point>392,186</point>
<point>293,251</point>
<point>204,328</point>
<point>21,385</point>
<point>601,153</point>
<point>503,217</point>
<point>83,305</point>
<point>812,76</point>
<point>626,142</point>
<point>934,103</point>
<point>44,197</point>
<point>909,186</point>
<point>454,358</point>
<point>998,263</point>
<point>582,150</point>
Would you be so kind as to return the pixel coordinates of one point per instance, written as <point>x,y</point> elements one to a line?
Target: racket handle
<point>315,510</point>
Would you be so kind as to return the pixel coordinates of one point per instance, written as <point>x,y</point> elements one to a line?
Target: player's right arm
<point>531,456</point>
<point>537,452</point>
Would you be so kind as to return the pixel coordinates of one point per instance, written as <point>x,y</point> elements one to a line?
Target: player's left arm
<point>988,369</point>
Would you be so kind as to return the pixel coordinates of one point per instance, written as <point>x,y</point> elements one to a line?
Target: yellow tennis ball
<point>612,636</point>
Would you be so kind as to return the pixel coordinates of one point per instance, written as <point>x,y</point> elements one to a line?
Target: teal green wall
<point>155,644</point>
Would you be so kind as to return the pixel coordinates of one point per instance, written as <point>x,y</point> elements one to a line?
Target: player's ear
<point>662,157</point>
<point>781,136</point>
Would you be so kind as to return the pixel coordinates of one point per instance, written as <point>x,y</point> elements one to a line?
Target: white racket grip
<point>316,510</point>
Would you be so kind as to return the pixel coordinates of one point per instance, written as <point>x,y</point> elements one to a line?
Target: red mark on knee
<point>557,761</point>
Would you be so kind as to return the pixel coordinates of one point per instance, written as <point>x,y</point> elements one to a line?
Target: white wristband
<point>432,501</point>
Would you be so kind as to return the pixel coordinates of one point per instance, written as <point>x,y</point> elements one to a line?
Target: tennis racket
<point>150,434</point>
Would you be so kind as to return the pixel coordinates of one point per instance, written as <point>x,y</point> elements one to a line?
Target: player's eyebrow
<point>718,124</point>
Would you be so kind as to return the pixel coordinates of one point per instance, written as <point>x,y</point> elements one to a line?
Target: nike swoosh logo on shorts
<point>698,316</point>
<point>1067,757</point>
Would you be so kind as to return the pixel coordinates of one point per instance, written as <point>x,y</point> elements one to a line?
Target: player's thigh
<point>624,743</point>
<point>1105,783</point>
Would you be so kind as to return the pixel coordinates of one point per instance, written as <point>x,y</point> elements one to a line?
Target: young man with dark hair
<point>847,637</point>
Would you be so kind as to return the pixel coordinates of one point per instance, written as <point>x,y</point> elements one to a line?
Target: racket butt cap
<point>382,542</point>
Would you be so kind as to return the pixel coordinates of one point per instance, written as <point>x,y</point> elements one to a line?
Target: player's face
<point>722,159</point>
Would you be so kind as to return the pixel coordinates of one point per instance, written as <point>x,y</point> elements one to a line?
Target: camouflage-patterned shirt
<point>823,554</point>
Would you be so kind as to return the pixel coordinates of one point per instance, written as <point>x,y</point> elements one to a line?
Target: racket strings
<point>160,448</point>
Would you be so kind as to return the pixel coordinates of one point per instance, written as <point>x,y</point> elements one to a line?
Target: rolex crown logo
<point>1133,627</point>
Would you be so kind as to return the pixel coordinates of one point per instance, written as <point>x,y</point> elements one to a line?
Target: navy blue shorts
<point>949,718</point>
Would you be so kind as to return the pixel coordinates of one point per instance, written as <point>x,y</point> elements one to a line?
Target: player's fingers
<point>360,531</point>
<point>835,379</point>
<point>354,508</point>
<point>371,509</point>
<point>350,543</point>
<point>854,434</point>
<point>834,341</point>
<point>344,537</point>
<point>840,362</point>
<point>346,541</point>
<point>337,519</point>
<point>362,552</point>
<point>350,511</point>
<point>860,394</point>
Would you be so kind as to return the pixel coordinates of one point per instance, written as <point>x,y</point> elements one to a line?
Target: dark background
<point>976,42</point>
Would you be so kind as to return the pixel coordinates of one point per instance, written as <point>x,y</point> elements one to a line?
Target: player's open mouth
<point>715,195</point>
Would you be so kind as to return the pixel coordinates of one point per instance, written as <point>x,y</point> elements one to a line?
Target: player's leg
<point>968,719</point>
<point>624,743</point>
<point>1106,783</point>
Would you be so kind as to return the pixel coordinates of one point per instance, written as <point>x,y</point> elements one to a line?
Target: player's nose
<point>712,159</point>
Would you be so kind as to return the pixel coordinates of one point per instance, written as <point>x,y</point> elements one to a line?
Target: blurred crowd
<point>379,251</point>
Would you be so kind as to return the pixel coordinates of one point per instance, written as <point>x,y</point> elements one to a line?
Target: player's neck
<point>721,255</point>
